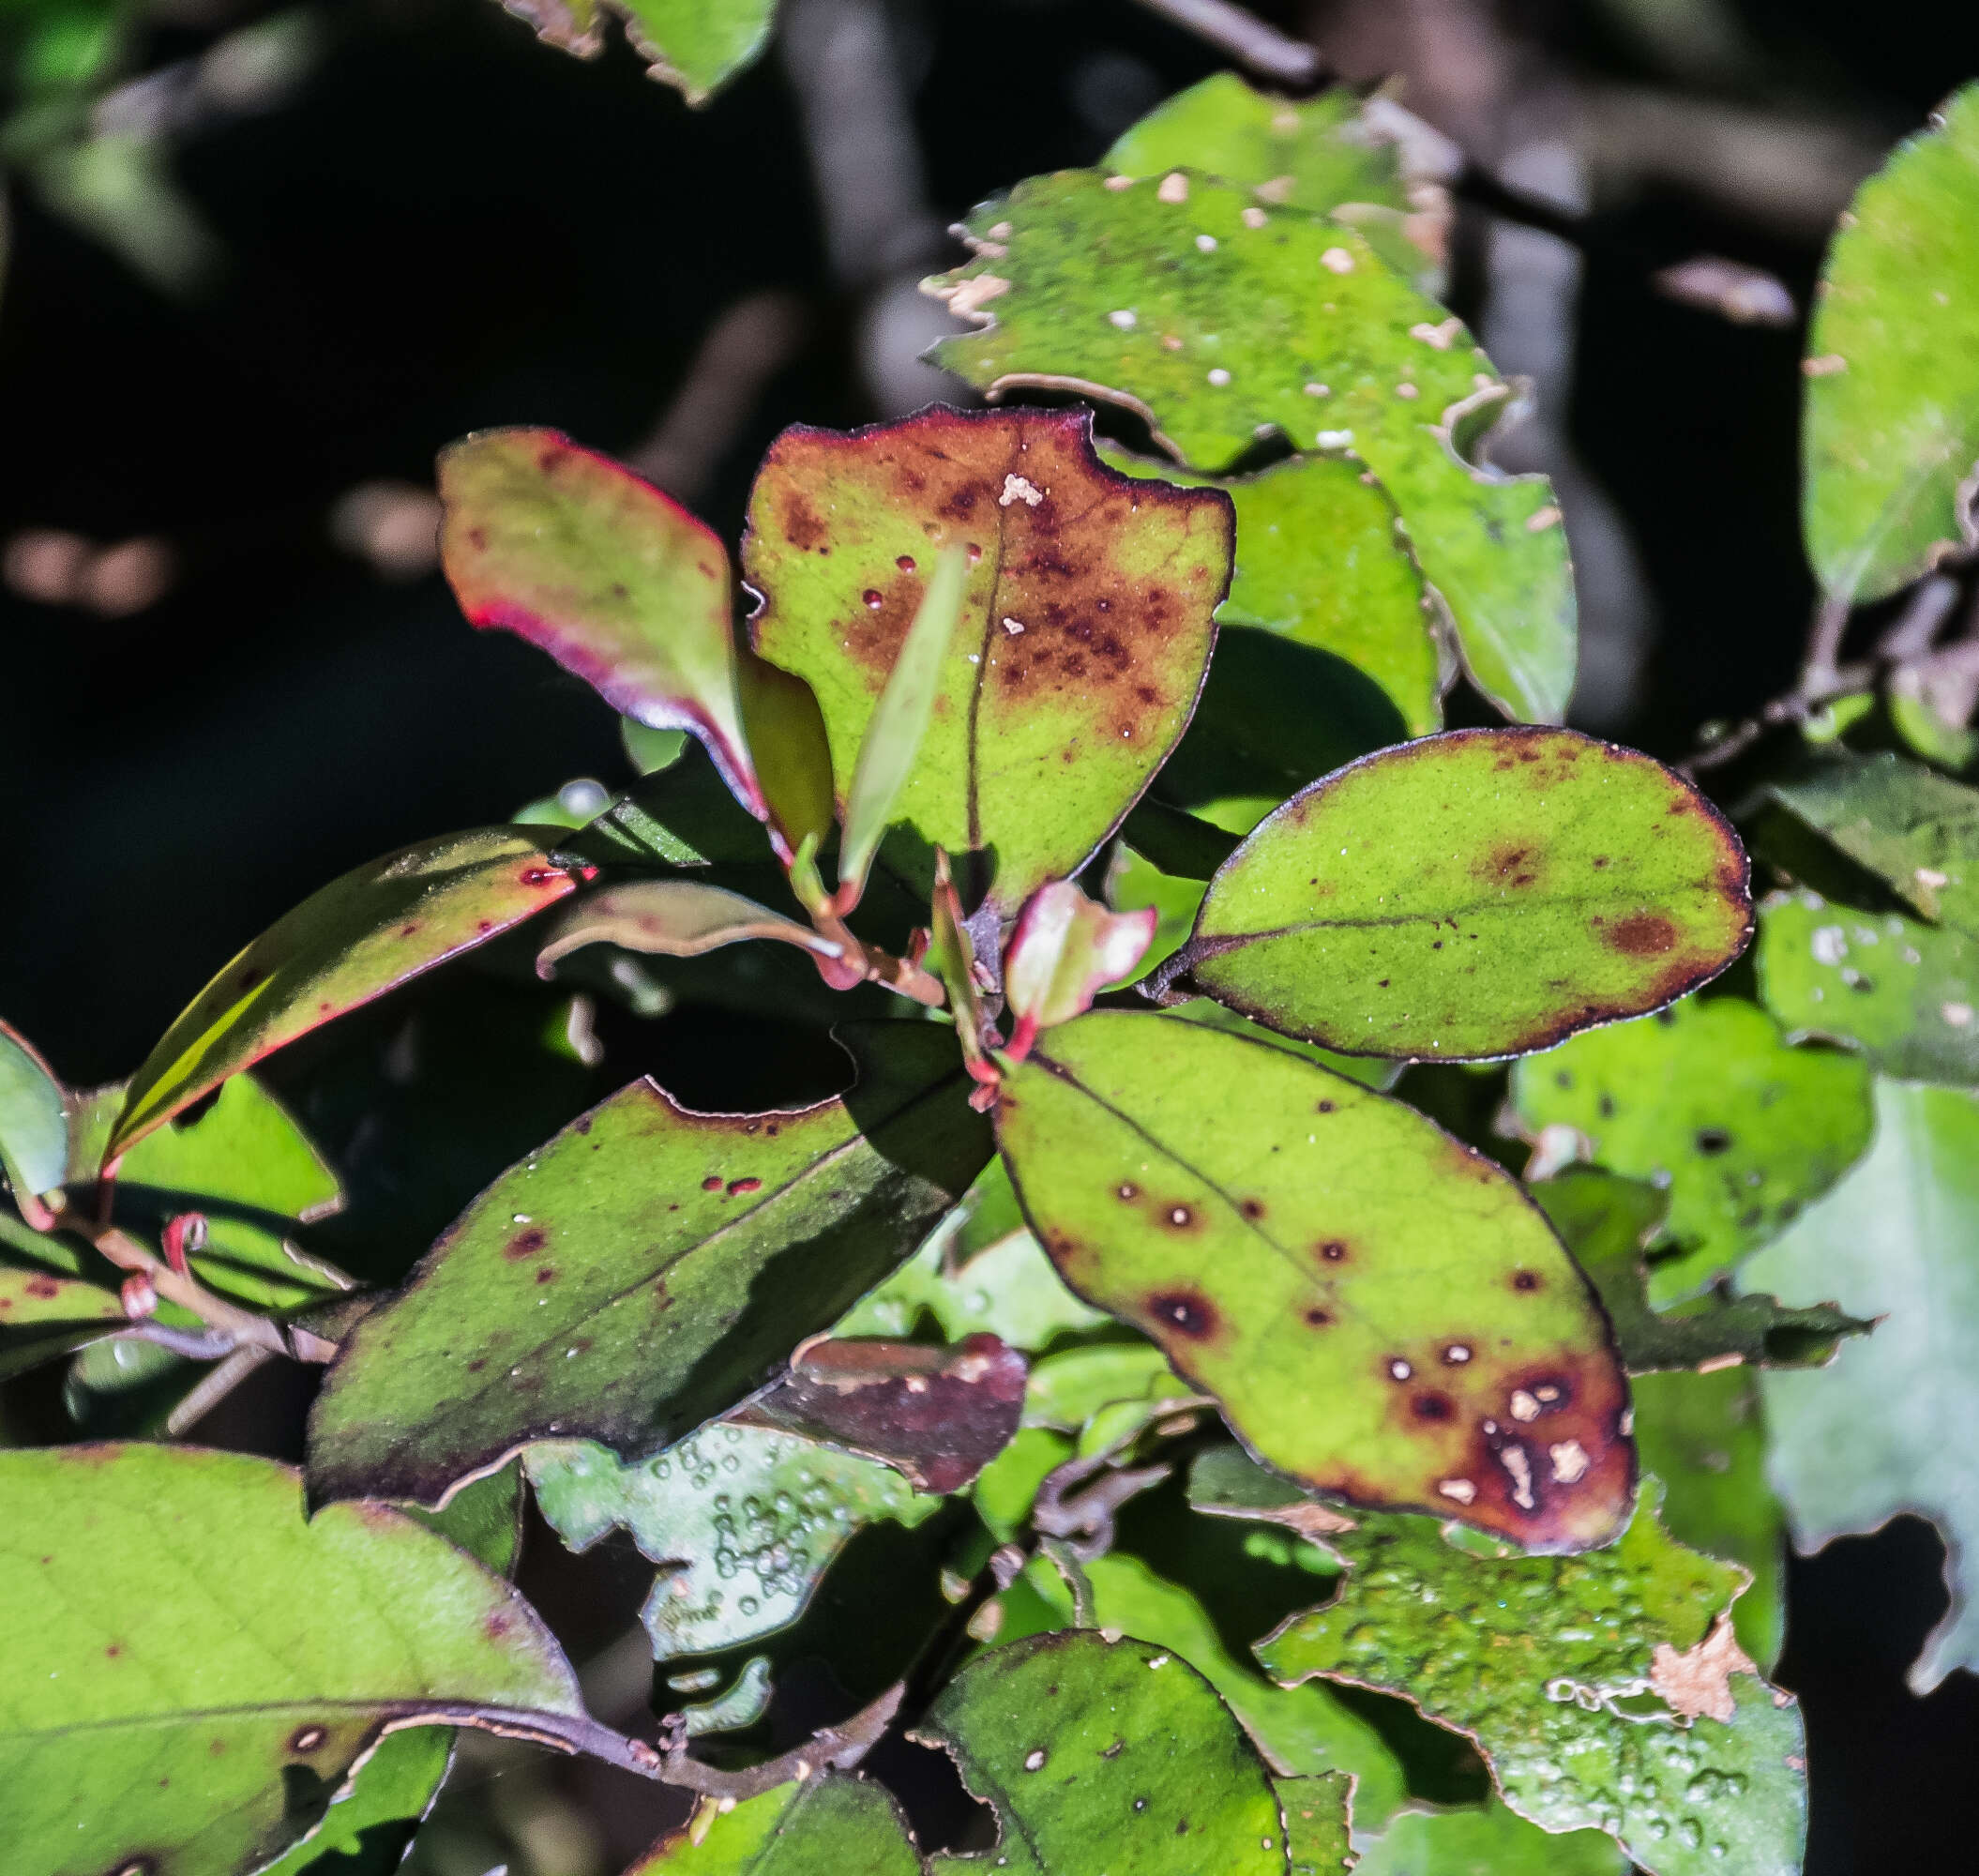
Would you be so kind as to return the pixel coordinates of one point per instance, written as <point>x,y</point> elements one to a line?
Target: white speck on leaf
<point>1122,319</point>
<point>1254,218</point>
<point>1462,1490</point>
<point>1205,243</point>
<point>1542,519</point>
<point>1219,377</point>
<point>1829,945</point>
<point>1338,261</point>
<point>1174,187</point>
<point>1016,489</point>
<point>1570,1461</point>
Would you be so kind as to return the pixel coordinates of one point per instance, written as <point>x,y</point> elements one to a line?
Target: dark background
<point>443,225</point>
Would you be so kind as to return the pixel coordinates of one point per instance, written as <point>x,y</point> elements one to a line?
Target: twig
<point>213,1388</point>
<point>842,1745</point>
<point>1249,40</point>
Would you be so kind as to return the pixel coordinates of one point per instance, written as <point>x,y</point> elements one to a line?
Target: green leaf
<point>671,919</point>
<point>643,1271</point>
<point>1108,1394</point>
<point>156,1576</point>
<point>1607,1222</point>
<point>1303,1730</point>
<point>242,1162</point>
<point>1491,1841</point>
<point>1704,1437</point>
<point>1381,1312</point>
<point>34,1119</point>
<point>1320,562</point>
<point>361,935</point>
<point>43,1317</point>
<point>831,1825</point>
<point>1915,829</point>
<point>1924,714</point>
<point>1221,320</point>
<point>615,581</point>
<point>1707,1101</point>
<point>695,45</point>
<point>1904,993</point>
<point>1008,1290</point>
<point>1476,894</point>
<point>1319,1822</point>
<point>1064,950</point>
<point>1533,1658</point>
<point>1882,1433</point>
<point>1891,438</point>
<point>900,720</point>
<point>1087,623</point>
<point>650,751</point>
<point>746,1522</point>
<point>1097,1754</point>
<point>1322,155</point>
<point>389,1794</point>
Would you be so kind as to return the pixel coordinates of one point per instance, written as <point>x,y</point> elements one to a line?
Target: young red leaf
<point>672,919</point>
<point>1064,951</point>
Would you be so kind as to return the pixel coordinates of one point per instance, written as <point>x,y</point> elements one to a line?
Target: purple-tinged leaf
<point>672,919</point>
<point>1064,951</point>
<point>938,1416</point>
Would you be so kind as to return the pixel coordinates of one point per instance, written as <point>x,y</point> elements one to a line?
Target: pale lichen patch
<point>1174,187</point>
<point>1017,489</point>
<point>1336,261</point>
<point>1697,1682</point>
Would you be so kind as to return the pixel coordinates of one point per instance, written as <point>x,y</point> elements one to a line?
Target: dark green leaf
<point>155,1576</point>
<point>643,1271</point>
<point>1381,1312</point>
<point>1475,894</point>
<point>1097,1754</point>
<point>358,937</point>
<point>34,1119</point>
<point>1085,628</point>
<point>1319,1822</point>
<point>1708,1102</point>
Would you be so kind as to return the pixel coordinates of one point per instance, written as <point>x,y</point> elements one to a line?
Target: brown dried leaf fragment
<point>1698,1681</point>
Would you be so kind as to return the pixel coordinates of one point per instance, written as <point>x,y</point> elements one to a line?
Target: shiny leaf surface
<point>680,1256</point>
<point>1531,1656</point>
<point>745,1520</point>
<point>672,919</point>
<point>1220,319</point>
<point>1709,1102</point>
<point>135,1668</point>
<point>1492,1841</point>
<point>1100,1754</point>
<point>1380,1311</point>
<point>1475,894</point>
<point>361,935</point>
<point>1891,439</point>
<point>1085,634</point>
<point>1064,951</point>
<point>1871,1437</point>
<point>1903,993</point>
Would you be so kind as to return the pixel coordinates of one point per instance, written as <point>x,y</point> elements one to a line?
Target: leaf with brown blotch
<point>1086,629</point>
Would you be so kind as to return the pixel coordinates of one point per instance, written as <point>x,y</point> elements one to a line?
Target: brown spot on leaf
<point>43,1289</point>
<point>497,1624</point>
<point>548,1274</point>
<point>1643,934</point>
<point>1189,1313</point>
<point>1179,1217</point>
<point>1334,1250</point>
<point>308,1738</point>
<point>1252,1209</point>
<point>741,1187</point>
<point>525,1242</point>
<point>1432,1407</point>
<point>1526,1280</point>
<point>802,525</point>
<point>1318,1318</point>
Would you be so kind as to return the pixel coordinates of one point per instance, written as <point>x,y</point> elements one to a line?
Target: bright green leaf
<point>695,45</point>
<point>1707,1101</point>
<point>1607,1222</point>
<point>1915,707</point>
<point>615,581</point>
<point>1381,1312</point>
<point>671,919</point>
<point>1096,1755</point>
<point>827,1825</point>
<point>1884,1431</point>
<point>1493,1840</point>
<point>1475,894</point>
<point>391,1792</point>
<point>1905,993</point>
<point>643,1271</point>
<point>1915,829</point>
<point>650,751</point>
<point>745,1520</point>
<point>1892,432</point>
<point>1325,154</point>
<point>1704,1437</point>
<point>1085,628</point>
<point>43,1317</point>
<point>1320,562</point>
<point>1319,1822</point>
<point>1220,320</point>
<point>34,1119</point>
<point>354,939</point>
<point>1533,1658</point>
<point>1304,1731</point>
<point>1064,951</point>
<point>900,720</point>
<point>158,1575</point>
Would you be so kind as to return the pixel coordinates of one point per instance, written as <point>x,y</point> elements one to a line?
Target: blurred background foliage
<point>261,259</point>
